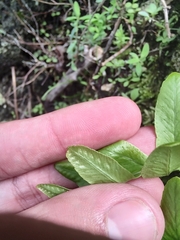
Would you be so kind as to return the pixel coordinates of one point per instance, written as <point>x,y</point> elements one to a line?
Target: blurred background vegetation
<point>57,53</point>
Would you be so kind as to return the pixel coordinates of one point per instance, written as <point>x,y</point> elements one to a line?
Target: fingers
<point>154,186</point>
<point>120,211</point>
<point>32,143</point>
<point>144,139</point>
<point>20,193</point>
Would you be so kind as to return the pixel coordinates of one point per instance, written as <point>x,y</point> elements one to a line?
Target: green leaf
<point>76,9</point>
<point>170,206</point>
<point>130,11</point>
<point>51,190</point>
<point>71,18</point>
<point>133,60</point>
<point>145,51</point>
<point>135,5</point>
<point>152,8</point>
<point>85,17</point>
<point>138,69</point>
<point>68,171</point>
<point>167,111</point>
<point>144,14</point>
<point>96,167</point>
<point>127,155</point>
<point>128,5</point>
<point>135,79</point>
<point>162,161</point>
<point>134,94</point>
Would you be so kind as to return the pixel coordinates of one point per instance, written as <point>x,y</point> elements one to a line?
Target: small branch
<point>16,42</point>
<point>32,15</point>
<point>38,73</point>
<point>108,45</point>
<point>53,3</point>
<point>112,34</point>
<point>89,7</point>
<point>121,50</point>
<point>166,18</point>
<point>31,30</point>
<point>37,44</point>
<point>14,91</point>
<point>29,72</point>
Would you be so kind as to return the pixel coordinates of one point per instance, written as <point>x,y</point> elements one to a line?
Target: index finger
<point>32,143</point>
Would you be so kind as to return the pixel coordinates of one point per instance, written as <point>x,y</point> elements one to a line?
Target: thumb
<point>119,211</point>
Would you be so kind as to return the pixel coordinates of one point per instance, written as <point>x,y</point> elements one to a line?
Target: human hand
<point>28,149</point>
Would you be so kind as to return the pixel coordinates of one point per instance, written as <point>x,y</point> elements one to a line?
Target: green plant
<point>38,109</point>
<point>150,11</point>
<point>72,49</point>
<point>121,161</point>
<point>137,61</point>
<point>132,9</point>
<point>121,28</point>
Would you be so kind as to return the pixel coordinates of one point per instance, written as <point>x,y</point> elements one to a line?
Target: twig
<point>29,103</point>
<point>89,7</point>
<point>122,49</point>
<point>14,91</point>
<point>37,44</point>
<point>108,45</point>
<point>16,42</point>
<point>12,105</point>
<point>112,34</point>
<point>53,3</point>
<point>32,31</point>
<point>38,73</point>
<point>166,18</point>
<point>111,37</point>
<point>32,15</point>
<point>28,73</point>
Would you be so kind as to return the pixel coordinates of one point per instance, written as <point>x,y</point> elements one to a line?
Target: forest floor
<point>76,51</point>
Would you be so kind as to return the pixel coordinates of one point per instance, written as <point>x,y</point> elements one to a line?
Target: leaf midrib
<point>95,166</point>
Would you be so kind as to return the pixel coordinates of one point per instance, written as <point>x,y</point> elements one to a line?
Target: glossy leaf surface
<point>127,155</point>
<point>167,111</point>
<point>51,190</point>
<point>68,171</point>
<point>171,209</point>
<point>162,161</point>
<point>96,167</point>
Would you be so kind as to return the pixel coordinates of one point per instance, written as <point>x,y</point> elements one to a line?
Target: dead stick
<point>14,91</point>
<point>121,50</point>
<point>166,18</point>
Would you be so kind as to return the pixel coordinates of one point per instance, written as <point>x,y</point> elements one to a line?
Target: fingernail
<point>131,220</point>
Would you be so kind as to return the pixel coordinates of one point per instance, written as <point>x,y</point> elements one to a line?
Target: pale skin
<point>29,148</point>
